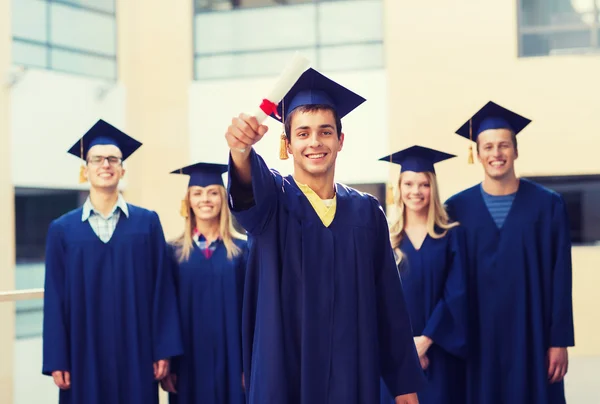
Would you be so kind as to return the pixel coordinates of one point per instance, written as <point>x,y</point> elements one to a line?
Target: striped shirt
<point>498,205</point>
<point>104,226</point>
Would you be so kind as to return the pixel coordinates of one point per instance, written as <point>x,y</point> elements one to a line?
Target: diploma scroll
<point>286,81</point>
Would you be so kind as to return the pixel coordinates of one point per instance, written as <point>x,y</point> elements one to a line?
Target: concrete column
<point>7,218</point>
<point>155,66</point>
<point>155,58</point>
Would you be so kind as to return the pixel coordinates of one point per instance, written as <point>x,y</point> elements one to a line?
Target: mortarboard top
<point>313,88</point>
<point>203,174</point>
<point>103,133</point>
<point>417,158</point>
<point>492,116</point>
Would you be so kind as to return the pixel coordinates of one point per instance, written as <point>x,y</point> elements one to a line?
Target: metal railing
<point>23,294</point>
<point>33,294</point>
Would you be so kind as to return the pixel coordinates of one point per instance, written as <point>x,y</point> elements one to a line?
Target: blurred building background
<point>173,73</point>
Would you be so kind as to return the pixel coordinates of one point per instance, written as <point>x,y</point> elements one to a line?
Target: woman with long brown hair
<point>428,251</point>
<point>210,261</point>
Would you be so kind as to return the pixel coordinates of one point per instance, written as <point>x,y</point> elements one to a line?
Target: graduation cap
<point>202,175</point>
<point>313,88</point>
<point>103,133</point>
<point>491,116</point>
<point>415,158</point>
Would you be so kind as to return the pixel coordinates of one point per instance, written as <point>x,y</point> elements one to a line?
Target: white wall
<point>50,111</point>
<point>214,103</point>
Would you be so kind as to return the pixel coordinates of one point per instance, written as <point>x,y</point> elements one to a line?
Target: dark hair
<point>312,108</point>
<point>513,137</point>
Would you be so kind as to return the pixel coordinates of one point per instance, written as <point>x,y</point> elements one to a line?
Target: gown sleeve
<point>174,268</point>
<point>400,366</point>
<point>55,324</point>
<point>561,328</point>
<point>167,340</point>
<point>447,326</point>
<point>253,206</point>
<point>241,275</point>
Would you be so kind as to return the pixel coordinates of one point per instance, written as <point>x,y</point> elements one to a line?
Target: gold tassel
<point>389,195</point>
<point>283,143</point>
<point>82,178</point>
<point>471,160</point>
<point>283,154</point>
<point>183,210</point>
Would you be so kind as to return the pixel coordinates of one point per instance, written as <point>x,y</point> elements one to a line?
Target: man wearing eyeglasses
<point>104,173</point>
<point>111,322</point>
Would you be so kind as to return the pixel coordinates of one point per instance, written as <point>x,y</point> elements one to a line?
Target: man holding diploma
<point>324,315</point>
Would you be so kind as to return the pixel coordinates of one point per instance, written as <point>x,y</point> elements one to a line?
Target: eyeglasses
<point>99,160</point>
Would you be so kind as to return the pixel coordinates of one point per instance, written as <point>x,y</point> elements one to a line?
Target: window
<point>582,198</point>
<point>553,27</point>
<point>72,36</point>
<point>335,35</point>
<point>376,189</point>
<point>34,210</point>
<point>216,5</point>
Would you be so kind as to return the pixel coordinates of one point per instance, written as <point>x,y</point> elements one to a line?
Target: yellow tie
<point>325,213</point>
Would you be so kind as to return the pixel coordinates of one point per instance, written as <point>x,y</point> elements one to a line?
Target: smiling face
<point>415,191</point>
<point>497,153</point>
<point>104,168</point>
<point>206,202</point>
<point>314,142</point>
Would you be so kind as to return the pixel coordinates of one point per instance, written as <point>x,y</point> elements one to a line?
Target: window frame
<point>575,184</point>
<point>557,28</point>
<point>317,48</point>
<point>49,46</point>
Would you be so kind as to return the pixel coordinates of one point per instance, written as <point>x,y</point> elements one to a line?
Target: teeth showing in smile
<point>497,163</point>
<point>316,156</point>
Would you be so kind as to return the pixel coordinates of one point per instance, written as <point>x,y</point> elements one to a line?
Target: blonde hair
<point>184,244</point>
<point>437,217</point>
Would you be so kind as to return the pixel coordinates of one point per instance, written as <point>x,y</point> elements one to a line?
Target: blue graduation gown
<point>434,283</point>
<point>110,310</point>
<point>519,281</point>
<point>210,294</point>
<point>324,314</point>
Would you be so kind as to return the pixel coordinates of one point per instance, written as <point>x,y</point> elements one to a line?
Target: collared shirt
<point>104,226</point>
<point>206,248</point>
<point>325,208</point>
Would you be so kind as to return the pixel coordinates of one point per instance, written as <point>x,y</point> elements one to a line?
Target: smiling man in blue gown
<point>324,315</point>
<point>111,322</point>
<point>519,272</point>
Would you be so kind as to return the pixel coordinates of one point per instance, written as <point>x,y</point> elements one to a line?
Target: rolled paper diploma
<point>284,83</point>
<point>288,77</point>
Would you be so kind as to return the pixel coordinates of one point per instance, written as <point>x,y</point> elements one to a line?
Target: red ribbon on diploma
<point>269,107</point>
